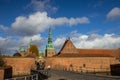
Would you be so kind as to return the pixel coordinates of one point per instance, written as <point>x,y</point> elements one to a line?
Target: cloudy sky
<point>89,23</point>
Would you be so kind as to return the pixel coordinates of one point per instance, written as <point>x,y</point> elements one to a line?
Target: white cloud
<point>91,41</point>
<point>13,43</point>
<point>74,21</point>
<point>38,22</point>
<point>114,14</point>
<point>36,39</point>
<point>7,43</point>
<point>98,41</point>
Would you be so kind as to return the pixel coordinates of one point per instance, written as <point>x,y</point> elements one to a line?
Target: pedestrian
<point>48,67</point>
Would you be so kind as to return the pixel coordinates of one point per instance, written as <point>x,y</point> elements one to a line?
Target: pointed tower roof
<point>68,48</point>
<point>50,36</point>
<point>50,44</point>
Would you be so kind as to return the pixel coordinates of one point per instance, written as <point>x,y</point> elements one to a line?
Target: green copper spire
<point>22,49</point>
<point>50,36</point>
<point>30,43</point>
<point>50,44</point>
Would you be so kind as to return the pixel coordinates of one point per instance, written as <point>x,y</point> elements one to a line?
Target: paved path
<point>66,75</point>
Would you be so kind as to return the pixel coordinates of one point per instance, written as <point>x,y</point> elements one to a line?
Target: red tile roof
<point>86,52</point>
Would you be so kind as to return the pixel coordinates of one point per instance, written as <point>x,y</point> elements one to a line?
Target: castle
<point>85,60</point>
<point>69,58</point>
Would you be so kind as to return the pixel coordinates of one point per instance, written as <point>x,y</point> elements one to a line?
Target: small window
<point>84,65</point>
<point>71,65</point>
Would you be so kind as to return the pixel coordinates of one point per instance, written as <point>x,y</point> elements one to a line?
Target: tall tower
<point>50,49</point>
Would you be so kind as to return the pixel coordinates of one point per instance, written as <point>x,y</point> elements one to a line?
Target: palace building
<point>86,60</point>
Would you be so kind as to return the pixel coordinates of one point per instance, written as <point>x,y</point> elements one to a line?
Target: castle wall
<point>20,65</point>
<point>85,64</point>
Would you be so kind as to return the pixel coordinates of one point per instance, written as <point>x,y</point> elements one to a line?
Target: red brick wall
<point>21,65</point>
<point>81,63</point>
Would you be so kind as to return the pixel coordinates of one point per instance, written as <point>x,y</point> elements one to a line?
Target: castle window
<point>84,65</point>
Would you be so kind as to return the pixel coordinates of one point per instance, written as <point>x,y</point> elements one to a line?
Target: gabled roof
<point>68,47</point>
<point>69,50</point>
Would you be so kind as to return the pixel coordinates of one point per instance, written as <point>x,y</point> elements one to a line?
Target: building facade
<point>84,60</point>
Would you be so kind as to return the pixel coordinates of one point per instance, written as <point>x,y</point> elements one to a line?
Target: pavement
<point>67,75</point>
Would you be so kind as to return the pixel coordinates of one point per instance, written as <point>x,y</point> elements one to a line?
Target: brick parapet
<point>81,63</point>
<point>21,65</point>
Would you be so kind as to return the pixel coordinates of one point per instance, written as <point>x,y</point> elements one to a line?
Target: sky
<point>88,23</point>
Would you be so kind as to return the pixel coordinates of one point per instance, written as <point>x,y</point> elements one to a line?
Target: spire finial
<point>50,36</point>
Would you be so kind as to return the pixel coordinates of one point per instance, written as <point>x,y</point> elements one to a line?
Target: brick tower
<point>50,50</point>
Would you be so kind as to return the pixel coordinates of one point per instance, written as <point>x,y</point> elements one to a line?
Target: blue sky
<point>89,23</point>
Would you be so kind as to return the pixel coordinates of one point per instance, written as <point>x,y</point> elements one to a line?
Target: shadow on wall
<point>8,72</point>
<point>5,72</point>
<point>115,69</point>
